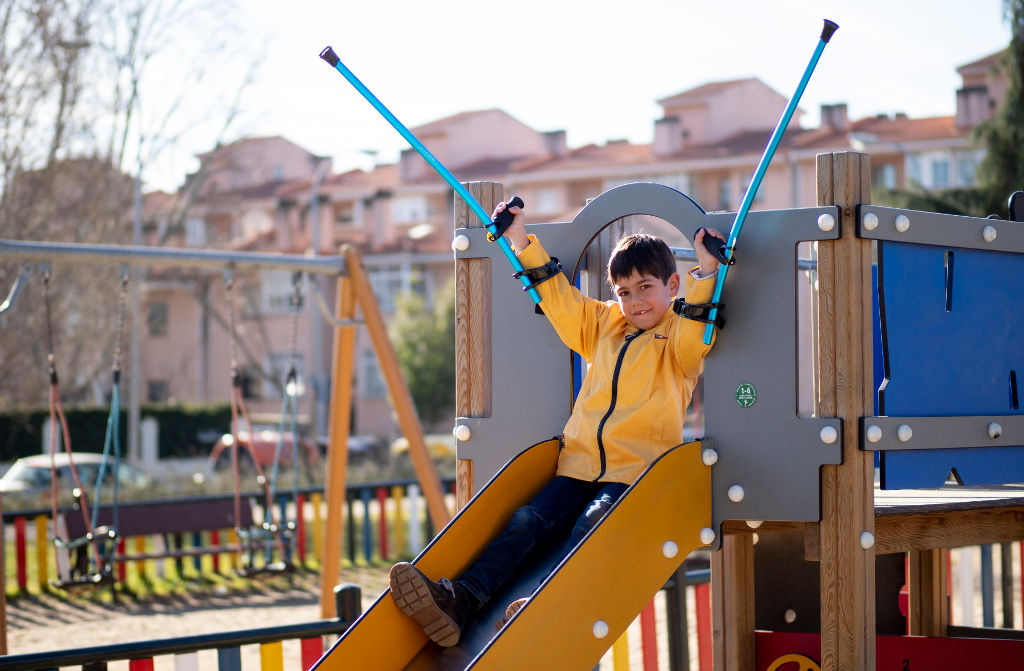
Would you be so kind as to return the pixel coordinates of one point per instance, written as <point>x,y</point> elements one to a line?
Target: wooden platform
<point>922,519</point>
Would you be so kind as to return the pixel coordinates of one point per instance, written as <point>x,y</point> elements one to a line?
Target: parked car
<point>361,448</point>
<point>262,446</point>
<point>439,445</point>
<point>31,476</point>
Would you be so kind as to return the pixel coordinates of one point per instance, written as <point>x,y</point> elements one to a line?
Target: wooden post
<point>337,452</point>
<point>3,582</point>
<point>401,400</point>
<point>845,391</point>
<point>472,328</point>
<point>926,582</point>
<point>732,603</point>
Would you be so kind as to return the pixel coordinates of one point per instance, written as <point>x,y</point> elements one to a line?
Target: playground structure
<point>759,466</point>
<point>596,592</point>
<point>353,293</point>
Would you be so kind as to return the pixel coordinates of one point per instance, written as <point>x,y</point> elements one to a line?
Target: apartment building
<point>262,193</point>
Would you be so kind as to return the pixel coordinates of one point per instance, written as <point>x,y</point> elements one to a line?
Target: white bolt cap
<point>867,539</point>
<point>902,223</point>
<point>669,549</point>
<point>462,432</point>
<point>828,435</point>
<point>790,616</point>
<point>600,629</point>
<point>994,430</point>
<point>709,457</point>
<point>989,233</point>
<point>707,535</point>
<point>736,493</point>
<point>904,433</point>
<point>870,221</point>
<point>826,221</point>
<point>460,243</point>
<point>874,433</point>
<point>753,524</point>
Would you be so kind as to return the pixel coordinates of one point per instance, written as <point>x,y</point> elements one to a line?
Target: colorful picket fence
<point>383,522</point>
<point>226,648</point>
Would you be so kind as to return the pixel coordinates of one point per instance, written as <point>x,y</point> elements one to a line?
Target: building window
<point>913,170</point>
<point>724,193</point>
<point>410,209</point>
<point>276,291</point>
<point>547,200</point>
<point>389,282</point>
<point>156,319</point>
<point>940,174</point>
<point>370,377</point>
<point>195,233</point>
<point>759,196</point>
<point>884,176</point>
<point>966,169</point>
<point>158,391</point>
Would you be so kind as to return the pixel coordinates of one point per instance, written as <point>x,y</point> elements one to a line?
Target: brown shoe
<point>512,609</point>
<point>439,607</point>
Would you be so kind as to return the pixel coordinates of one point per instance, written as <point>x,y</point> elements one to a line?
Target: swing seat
<point>84,583</point>
<point>264,538</point>
<point>267,570</point>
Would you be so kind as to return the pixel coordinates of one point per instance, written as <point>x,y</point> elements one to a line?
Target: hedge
<point>185,430</point>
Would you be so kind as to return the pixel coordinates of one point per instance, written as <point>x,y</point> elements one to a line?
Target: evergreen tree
<point>424,341</point>
<point>1001,172</point>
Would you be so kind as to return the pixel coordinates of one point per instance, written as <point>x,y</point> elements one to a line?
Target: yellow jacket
<point>631,406</point>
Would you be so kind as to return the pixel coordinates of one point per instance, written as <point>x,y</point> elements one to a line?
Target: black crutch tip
<point>328,55</point>
<point>830,28</point>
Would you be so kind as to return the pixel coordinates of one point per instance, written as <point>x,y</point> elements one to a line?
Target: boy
<point>644,361</point>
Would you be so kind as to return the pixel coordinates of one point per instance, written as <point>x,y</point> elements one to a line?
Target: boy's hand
<point>516,232</point>
<point>708,263</point>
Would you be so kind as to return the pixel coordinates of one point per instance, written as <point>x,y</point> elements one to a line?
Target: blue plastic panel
<point>952,331</point>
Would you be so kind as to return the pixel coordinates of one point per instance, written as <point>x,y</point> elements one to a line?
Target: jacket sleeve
<point>688,334</point>
<point>577,319</point>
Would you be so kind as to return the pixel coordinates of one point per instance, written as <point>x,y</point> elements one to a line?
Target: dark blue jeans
<point>564,503</point>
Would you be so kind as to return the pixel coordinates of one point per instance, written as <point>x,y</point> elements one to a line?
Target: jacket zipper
<point>611,405</point>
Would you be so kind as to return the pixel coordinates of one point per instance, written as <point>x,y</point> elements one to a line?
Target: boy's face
<point>643,298</point>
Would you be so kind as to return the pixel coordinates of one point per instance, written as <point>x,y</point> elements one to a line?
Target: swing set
<point>258,543</point>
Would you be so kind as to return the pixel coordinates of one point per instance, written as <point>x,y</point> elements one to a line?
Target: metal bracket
<point>875,222</point>
<point>924,433</point>
<point>19,283</point>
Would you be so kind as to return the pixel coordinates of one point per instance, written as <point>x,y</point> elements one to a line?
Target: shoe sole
<point>412,596</point>
<point>512,609</point>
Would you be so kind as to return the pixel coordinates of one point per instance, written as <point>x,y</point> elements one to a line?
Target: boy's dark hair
<point>646,254</point>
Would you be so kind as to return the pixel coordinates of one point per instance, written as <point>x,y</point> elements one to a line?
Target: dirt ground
<point>47,623</point>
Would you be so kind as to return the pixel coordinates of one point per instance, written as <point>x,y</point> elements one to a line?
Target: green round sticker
<point>746,395</point>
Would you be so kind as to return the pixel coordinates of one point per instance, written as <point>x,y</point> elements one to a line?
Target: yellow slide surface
<point>581,608</point>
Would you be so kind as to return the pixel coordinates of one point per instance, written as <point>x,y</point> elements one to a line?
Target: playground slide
<point>586,602</point>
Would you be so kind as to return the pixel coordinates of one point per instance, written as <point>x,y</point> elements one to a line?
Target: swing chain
<point>51,357</point>
<point>122,311</point>
<point>229,286</point>
<point>295,302</point>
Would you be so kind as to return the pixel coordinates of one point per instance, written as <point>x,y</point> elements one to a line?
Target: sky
<point>594,69</point>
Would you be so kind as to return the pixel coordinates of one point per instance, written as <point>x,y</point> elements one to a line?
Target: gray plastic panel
<point>766,448</point>
<point>945,230</point>
<point>925,433</point>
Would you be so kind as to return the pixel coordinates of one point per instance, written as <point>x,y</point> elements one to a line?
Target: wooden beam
<point>398,390</point>
<point>927,531</point>
<point>340,412</point>
<point>472,328</point>
<point>926,582</point>
<point>845,391</point>
<point>732,603</point>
